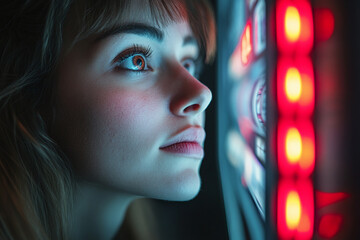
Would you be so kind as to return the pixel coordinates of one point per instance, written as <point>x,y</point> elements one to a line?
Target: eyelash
<point>130,52</point>
<point>146,53</point>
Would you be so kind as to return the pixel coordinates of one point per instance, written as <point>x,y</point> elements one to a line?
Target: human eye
<point>134,59</point>
<point>190,65</point>
<point>193,65</point>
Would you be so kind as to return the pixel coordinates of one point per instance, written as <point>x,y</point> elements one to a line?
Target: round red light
<point>324,24</point>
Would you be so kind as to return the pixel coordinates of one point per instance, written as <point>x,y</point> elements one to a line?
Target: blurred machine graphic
<point>288,118</point>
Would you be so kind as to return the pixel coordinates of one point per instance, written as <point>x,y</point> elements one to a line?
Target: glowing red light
<point>325,198</point>
<point>294,26</point>
<point>295,86</point>
<point>324,24</point>
<point>246,44</point>
<point>330,225</point>
<point>295,131</point>
<point>295,209</point>
<point>296,153</point>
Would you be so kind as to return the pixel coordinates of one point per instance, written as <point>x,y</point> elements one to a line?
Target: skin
<point>111,121</point>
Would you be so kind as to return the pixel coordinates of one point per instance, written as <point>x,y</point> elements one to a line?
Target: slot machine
<point>287,118</point>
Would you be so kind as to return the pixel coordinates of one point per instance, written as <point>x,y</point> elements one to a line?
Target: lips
<point>187,142</point>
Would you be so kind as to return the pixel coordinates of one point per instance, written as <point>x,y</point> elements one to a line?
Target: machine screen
<point>242,105</point>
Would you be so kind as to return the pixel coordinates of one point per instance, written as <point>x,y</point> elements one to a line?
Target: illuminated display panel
<point>295,129</point>
<point>297,207</point>
<point>249,101</point>
<point>242,113</point>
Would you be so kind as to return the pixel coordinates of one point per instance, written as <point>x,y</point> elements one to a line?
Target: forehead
<point>133,11</point>
<point>154,18</point>
<point>94,15</point>
<point>159,12</point>
<point>91,18</point>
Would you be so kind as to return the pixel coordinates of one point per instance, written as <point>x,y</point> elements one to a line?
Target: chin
<point>183,188</point>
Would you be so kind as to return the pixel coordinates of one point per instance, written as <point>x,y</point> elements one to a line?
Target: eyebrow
<point>136,28</point>
<point>190,40</point>
<point>143,30</point>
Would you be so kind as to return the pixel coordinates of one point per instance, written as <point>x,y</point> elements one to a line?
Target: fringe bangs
<point>88,18</point>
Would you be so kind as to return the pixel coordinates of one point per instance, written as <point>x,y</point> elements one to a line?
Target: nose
<point>190,97</point>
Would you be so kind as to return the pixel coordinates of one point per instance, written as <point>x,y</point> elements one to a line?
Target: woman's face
<point>130,113</point>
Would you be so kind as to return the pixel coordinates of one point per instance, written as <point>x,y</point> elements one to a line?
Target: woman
<point>100,105</point>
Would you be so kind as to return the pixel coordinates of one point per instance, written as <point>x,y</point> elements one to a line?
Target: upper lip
<point>187,134</point>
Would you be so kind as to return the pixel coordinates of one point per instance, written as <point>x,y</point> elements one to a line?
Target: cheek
<point>120,129</point>
<point>126,115</point>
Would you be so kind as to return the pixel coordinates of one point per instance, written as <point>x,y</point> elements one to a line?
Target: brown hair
<point>36,179</point>
<point>102,16</point>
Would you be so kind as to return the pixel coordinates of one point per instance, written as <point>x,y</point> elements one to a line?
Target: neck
<point>98,212</point>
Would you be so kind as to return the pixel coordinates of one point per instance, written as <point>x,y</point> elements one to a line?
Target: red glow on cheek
<point>330,225</point>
